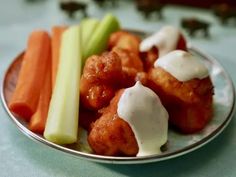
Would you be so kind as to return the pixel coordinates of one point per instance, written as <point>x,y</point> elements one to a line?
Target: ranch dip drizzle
<point>141,108</point>
<point>182,65</point>
<point>165,40</point>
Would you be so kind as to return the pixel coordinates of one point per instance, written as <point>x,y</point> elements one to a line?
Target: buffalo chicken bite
<point>100,79</point>
<point>160,43</point>
<point>188,102</point>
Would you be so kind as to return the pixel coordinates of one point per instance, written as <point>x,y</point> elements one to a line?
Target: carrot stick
<point>38,120</point>
<point>56,43</point>
<point>30,81</point>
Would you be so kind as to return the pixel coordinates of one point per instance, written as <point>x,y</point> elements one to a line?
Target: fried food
<point>103,75</point>
<point>100,79</point>
<point>87,117</point>
<point>150,56</point>
<point>129,58</point>
<point>131,65</point>
<point>126,45</point>
<point>142,77</point>
<point>131,76</point>
<point>111,135</point>
<point>189,104</point>
<point>124,40</point>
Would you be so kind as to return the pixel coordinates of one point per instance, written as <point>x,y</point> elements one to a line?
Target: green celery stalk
<point>98,41</point>
<point>88,27</point>
<point>63,116</point>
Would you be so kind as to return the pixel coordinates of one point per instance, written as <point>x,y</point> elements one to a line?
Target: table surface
<point>20,156</point>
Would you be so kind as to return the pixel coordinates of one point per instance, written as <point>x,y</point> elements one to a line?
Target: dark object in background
<point>192,25</point>
<point>147,7</point>
<point>102,3</point>
<point>224,12</point>
<point>199,3</point>
<point>70,7</point>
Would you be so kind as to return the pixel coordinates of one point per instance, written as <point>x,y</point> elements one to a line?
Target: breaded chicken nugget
<point>111,135</point>
<point>163,43</point>
<point>126,45</point>
<point>100,79</point>
<point>103,69</point>
<point>189,104</point>
<point>131,66</point>
<point>124,40</point>
<point>129,59</point>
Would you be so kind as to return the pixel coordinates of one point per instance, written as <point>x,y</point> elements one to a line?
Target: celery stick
<point>88,26</point>
<point>62,122</point>
<point>99,39</point>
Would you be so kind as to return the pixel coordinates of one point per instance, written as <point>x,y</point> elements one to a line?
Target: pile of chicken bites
<point>130,59</point>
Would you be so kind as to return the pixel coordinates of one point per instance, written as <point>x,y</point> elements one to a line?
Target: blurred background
<point>149,15</point>
<point>132,13</point>
<point>205,23</point>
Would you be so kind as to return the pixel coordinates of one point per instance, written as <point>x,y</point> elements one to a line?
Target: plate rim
<point>126,160</point>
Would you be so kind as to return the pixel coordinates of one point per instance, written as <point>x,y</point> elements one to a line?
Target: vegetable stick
<point>38,120</point>
<point>98,41</point>
<point>56,43</point>
<point>88,27</point>
<point>26,95</point>
<point>62,122</point>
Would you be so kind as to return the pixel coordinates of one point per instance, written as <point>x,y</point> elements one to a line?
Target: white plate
<point>177,145</point>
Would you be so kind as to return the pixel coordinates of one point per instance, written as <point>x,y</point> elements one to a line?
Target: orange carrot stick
<point>56,43</point>
<point>38,120</point>
<point>30,81</point>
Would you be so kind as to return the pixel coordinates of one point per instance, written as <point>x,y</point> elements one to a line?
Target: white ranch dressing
<point>141,108</point>
<point>182,65</point>
<point>165,40</point>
